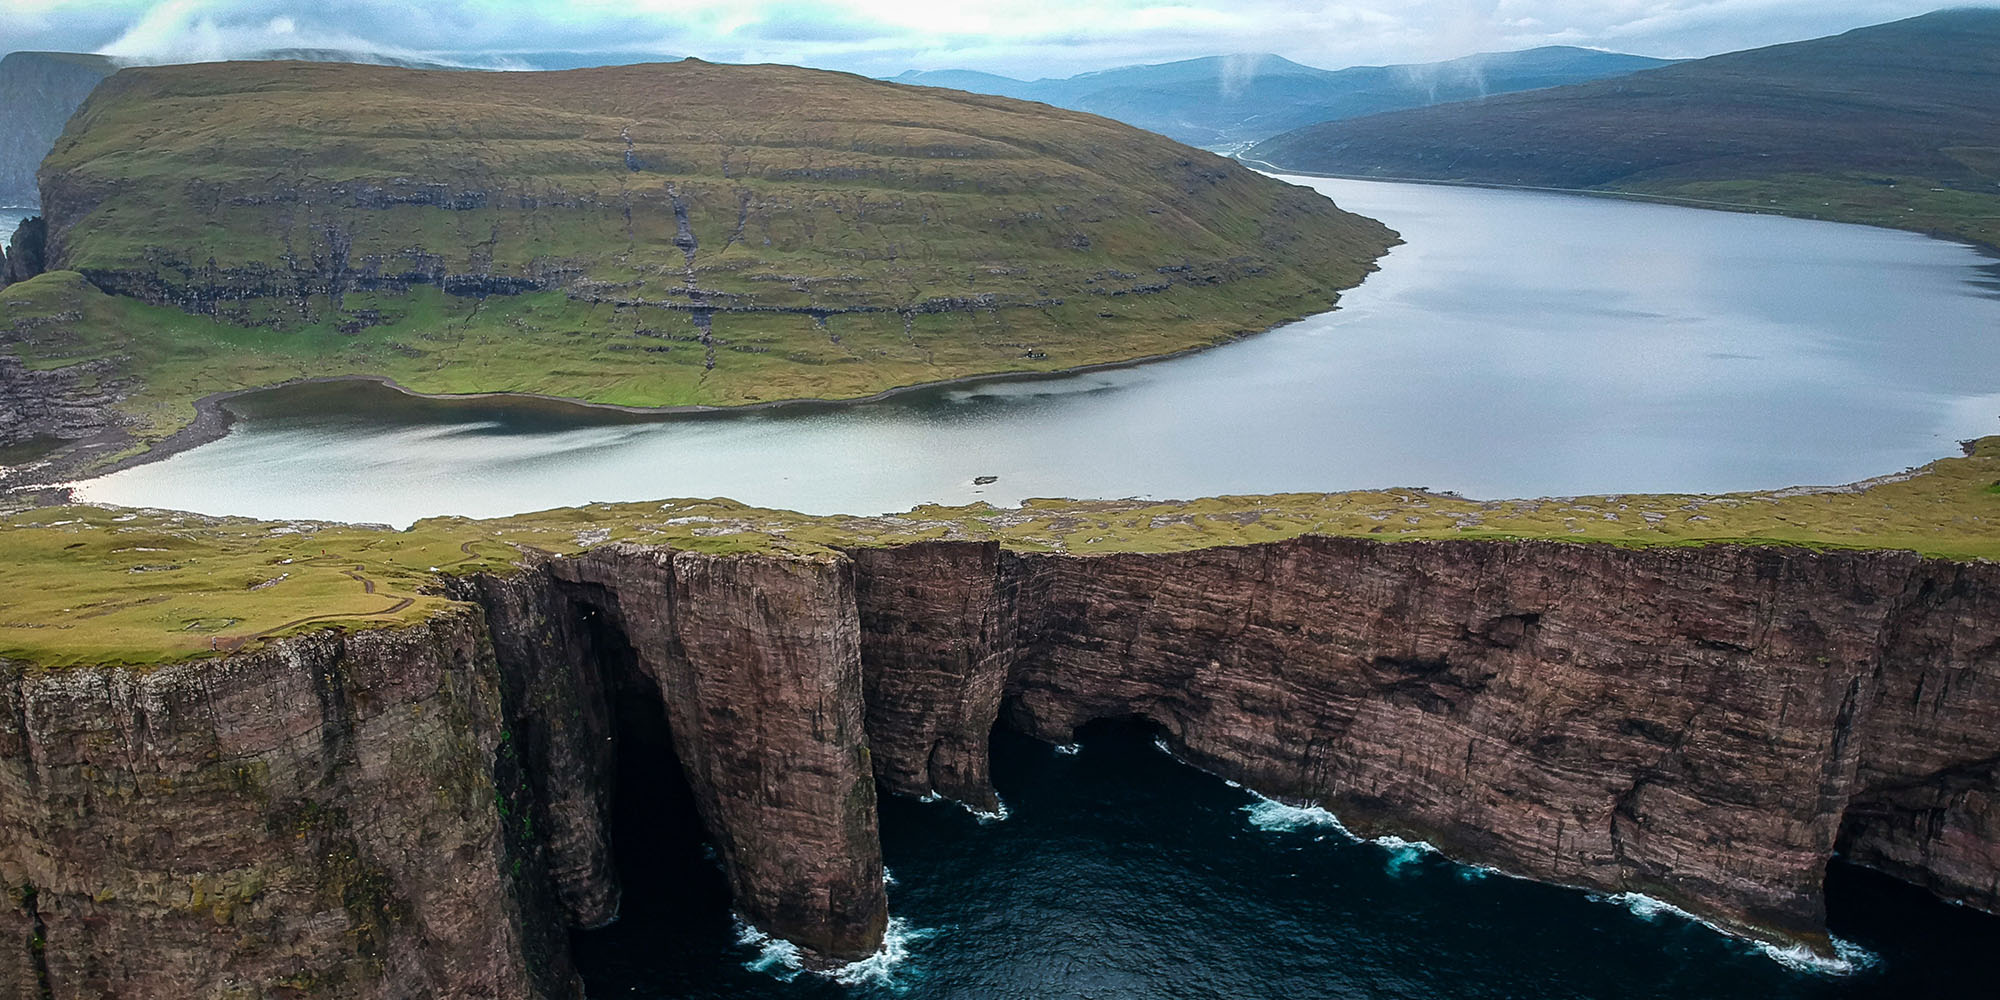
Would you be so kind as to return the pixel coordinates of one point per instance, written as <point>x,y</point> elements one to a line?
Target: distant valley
<point>1225,101</point>
<point>1896,124</point>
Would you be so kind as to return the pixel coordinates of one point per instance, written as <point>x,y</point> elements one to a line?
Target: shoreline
<point>213,419</point>
<point>1740,208</point>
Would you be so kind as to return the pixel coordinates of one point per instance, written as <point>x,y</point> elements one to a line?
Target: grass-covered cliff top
<point>656,235</point>
<point>92,585</point>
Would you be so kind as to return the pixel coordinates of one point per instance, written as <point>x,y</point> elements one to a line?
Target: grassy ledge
<point>95,585</point>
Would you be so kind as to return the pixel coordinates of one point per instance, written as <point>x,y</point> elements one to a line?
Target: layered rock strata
<point>424,811</point>
<point>316,818</point>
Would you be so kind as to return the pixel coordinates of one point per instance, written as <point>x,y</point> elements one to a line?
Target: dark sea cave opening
<point>1120,873</point>
<point>674,910</point>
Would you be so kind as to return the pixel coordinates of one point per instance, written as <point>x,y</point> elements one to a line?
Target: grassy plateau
<point>96,585</point>
<point>658,235</point>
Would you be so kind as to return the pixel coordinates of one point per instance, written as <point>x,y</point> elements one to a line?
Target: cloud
<point>202,31</point>
<point>1026,38</point>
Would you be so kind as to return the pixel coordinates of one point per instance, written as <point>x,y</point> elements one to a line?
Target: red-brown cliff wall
<point>425,810</point>
<point>1692,723</point>
<point>315,817</point>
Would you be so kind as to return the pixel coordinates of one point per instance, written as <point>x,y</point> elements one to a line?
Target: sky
<point>1021,38</point>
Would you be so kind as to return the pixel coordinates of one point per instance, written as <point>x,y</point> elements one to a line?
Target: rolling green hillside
<point>1896,125</point>
<point>650,235</point>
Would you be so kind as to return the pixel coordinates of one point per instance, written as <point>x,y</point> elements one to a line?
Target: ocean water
<point>1518,344</point>
<point>10,219</point>
<point>1122,874</point>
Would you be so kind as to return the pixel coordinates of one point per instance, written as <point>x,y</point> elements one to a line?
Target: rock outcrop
<point>25,252</point>
<point>317,818</point>
<point>53,405</point>
<point>425,811</point>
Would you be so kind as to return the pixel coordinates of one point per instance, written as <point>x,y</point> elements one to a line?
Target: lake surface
<point>1519,344</point>
<point>1121,874</point>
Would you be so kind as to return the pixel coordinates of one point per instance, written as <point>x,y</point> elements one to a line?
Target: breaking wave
<point>1274,816</point>
<point>1848,957</point>
<point>984,817</point>
<point>782,960</point>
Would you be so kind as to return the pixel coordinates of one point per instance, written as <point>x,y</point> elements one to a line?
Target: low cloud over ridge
<point>1023,38</point>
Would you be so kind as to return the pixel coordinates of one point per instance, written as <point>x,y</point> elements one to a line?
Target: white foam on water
<point>880,968</point>
<point>1160,744</point>
<point>999,813</point>
<point>776,957</point>
<point>1069,749</point>
<point>1848,957</point>
<point>888,877</point>
<point>1274,816</point>
<point>1403,853</point>
<point>782,960</point>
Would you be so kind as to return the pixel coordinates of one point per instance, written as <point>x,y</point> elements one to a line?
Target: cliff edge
<point>408,791</point>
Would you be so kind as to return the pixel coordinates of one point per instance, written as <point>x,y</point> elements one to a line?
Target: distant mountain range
<point>1896,124</point>
<point>1224,101</point>
<point>38,91</point>
<point>1219,102</point>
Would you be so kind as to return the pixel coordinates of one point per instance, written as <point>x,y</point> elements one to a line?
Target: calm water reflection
<point>1519,344</point>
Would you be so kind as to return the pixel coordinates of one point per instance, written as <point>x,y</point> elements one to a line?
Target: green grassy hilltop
<point>1892,125</point>
<point>91,585</point>
<point>651,235</point>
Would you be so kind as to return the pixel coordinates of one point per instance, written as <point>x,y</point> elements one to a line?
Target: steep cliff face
<point>759,662</point>
<point>1926,806</point>
<point>1696,724</point>
<point>317,819</point>
<point>426,810</point>
<point>1669,722</point>
<point>938,644</point>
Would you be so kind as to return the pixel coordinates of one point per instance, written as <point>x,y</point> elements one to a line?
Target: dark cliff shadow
<point>1925,940</point>
<point>674,913</point>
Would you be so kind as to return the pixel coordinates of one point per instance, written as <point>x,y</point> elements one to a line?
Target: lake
<point>1519,344</point>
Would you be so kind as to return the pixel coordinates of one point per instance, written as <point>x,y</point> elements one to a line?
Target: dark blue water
<point>1121,873</point>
